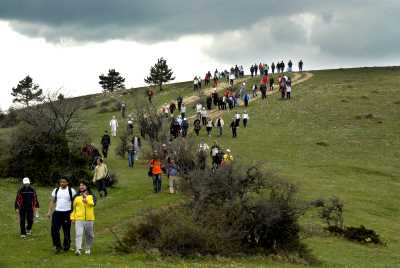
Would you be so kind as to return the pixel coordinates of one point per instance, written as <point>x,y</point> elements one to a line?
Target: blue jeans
<point>157,183</point>
<point>131,158</point>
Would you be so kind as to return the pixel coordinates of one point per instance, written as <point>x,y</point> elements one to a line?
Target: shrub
<point>104,110</point>
<point>105,103</point>
<point>232,211</point>
<point>9,119</point>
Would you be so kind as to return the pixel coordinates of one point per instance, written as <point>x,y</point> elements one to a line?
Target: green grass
<point>360,163</point>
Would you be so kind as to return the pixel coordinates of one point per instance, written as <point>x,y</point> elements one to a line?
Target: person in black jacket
<point>26,203</point>
<point>105,142</point>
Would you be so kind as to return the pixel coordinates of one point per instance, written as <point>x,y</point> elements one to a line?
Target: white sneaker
<point>87,252</point>
<point>28,232</point>
<point>23,236</point>
<point>77,252</point>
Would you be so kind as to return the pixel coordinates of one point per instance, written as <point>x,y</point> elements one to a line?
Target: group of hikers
<point>163,162</point>
<point>66,207</point>
<point>279,67</point>
<point>69,206</point>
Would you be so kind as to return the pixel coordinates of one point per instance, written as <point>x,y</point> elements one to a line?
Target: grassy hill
<point>339,135</point>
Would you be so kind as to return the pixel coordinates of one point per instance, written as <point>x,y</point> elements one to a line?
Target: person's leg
<point>89,235</point>
<point>29,218</point>
<point>55,229</point>
<point>171,184</point>
<point>66,226</point>
<point>130,159</point>
<point>155,183</point>
<point>104,187</point>
<point>245,123</point>
<point>158,183</point>
<point>22,217</point>
<point>79,228</point>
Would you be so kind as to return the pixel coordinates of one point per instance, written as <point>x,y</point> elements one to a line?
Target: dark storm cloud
<point>343,28</point>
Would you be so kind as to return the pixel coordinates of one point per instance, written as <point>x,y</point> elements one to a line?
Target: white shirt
<point>183,109</point>
<point>114,123</point>
<point>199,107</point>
<point>63,199</point>
<point>288,89</point>
<point>237,116</point>
<point>203,113</point>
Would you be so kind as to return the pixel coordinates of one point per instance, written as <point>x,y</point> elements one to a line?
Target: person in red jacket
<point>26,204</point>
<point>155,171</point>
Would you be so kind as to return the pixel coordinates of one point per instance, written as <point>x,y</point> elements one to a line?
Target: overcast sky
<point>66,44</point>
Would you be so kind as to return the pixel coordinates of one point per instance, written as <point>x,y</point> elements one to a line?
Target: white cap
<point>228,150</point>
<point>26,180</point>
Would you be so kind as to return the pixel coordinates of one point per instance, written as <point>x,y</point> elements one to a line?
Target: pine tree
<point>159,74</point>
<point>112,81</point>
<point>26,92</point>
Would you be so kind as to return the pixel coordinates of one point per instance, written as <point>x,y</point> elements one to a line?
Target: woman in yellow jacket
<point>83,216</point>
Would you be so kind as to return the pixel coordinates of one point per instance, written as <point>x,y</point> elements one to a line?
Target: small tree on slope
<point>112,81</point>
<point>26,92</point>
<point>159,74</point>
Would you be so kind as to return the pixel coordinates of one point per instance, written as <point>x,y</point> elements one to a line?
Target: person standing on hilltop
<point>273,68</point>
<point>26,204</point>
<point>216,78</point>
<point>252,71</point>
<point>105,143</point>
<point>282,66</point>
<point>301,65</point>
<point>255,69</point>
<point>114,126</point>
<point>290,65</point>
<point>195,83</point>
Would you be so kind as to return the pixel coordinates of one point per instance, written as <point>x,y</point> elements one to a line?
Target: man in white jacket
<point>114,126</point>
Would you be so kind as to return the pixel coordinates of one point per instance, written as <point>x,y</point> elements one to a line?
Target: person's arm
<point>36,199</point>
<point>51,207</point>
<point>16,204</point>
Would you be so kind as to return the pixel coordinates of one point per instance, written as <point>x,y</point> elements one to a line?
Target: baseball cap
<point>26,180</point>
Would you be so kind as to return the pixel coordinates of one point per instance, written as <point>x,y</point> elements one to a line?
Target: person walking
<point>123,109</point>
<point>26,206</point>
<point>204,116</point>
<point>233,126</point>
<point>245,117</point>
<point>105,143</point>
<point>197,126</point>
<point>179,100</point>
<point>131,154</point>
<point>209,126</point>
<point>288,88</point>
<point>155,172</point>
<point>214,154</point>
<point>60,207</point>
<point>114,126</point>
<point>99,177</point>
<point>254,90</point>
<point>237,118</point>
<point>137,144</point>
<point>220,125</point>
<point>183,110</point>
<point>271,83</point>
<point>228,157</point>
<point>129,125</point>
<point>172,171</point>
<point>184,127</point>
<point>83,216</point>
<point>150,94</point>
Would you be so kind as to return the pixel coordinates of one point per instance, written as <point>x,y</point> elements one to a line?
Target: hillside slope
<point>339,135</point>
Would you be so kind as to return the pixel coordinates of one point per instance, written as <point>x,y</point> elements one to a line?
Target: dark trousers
<point>25,220</point>
<point>105,151</point>
<point>237,122</point>
<point>204,120</point>
<point>197,131</point>
<point>245,122</point>
<point>288,95</point>
<point>61,219</point>
<point>131,158</point>
<point>101,187</point>
<point>234,134</point>
<point>157,183</point>
<point>282,93</point>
